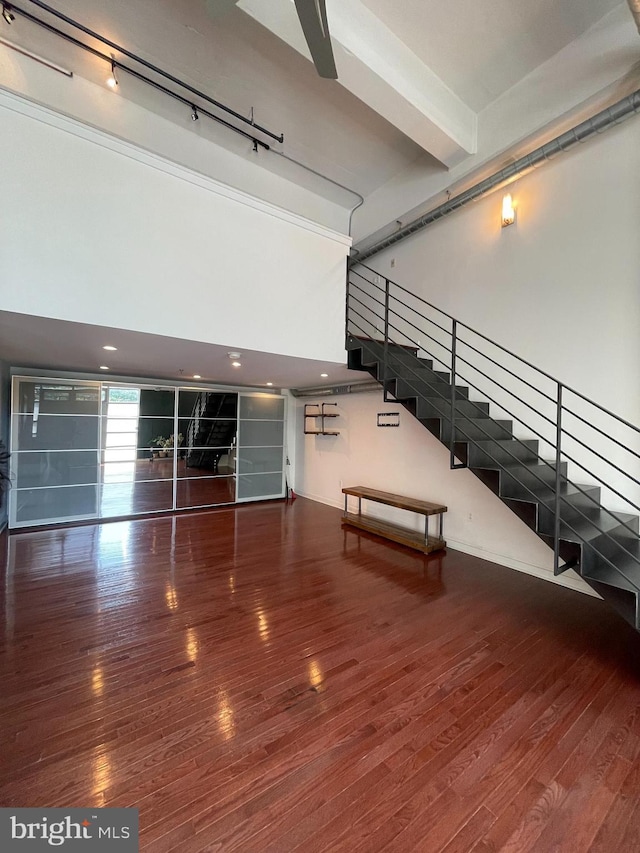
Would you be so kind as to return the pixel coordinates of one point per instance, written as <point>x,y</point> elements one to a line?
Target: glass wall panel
<point>122,425</point>
<point>135,497</point>
<point>260,452</point>
<point>260,485</point>
<point>207,432</point>
<point>207,404</point>
<point>54,468</point>
<point>156,416</point>
<point>90,449</point>
<point>267,407</point>
<point>55,436</point>
<point>206,491</point>
<point>206,461</point>
<point>258,460</point>
<point>262,433</point>
<point>56,397</point>
<point>55,432</point>
<point>65,503</point>
<point>136,464</point>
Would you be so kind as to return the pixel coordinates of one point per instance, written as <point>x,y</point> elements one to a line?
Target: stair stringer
<point>595,557</point>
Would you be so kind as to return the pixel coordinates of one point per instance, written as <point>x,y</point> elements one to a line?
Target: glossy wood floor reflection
<point>256,679</point>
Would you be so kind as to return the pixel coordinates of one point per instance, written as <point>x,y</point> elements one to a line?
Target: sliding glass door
<point>207,428</point>
<point>261,447</point>
<point>132,418</point>
<point>82,450</point>
<point>55,445</point>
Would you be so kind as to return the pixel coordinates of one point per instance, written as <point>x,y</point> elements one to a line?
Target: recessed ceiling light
<point>235,364</point>
<point>103,367</point>
<point>234,355</point>
<point>324,375</point>
<point>197,376</point>
<point>110,348</point>
<point>269,383</point>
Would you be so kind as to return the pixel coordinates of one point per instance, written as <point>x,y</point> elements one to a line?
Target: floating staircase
<point>601,545</point>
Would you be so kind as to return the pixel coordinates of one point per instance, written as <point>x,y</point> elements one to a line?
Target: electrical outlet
<point>470,517</point>
<point>393,263</point>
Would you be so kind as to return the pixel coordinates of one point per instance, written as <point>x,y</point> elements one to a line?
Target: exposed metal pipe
<point>634,5</point>
<point>601,121</point>
<point>332,390</point>
<point>325,178</point>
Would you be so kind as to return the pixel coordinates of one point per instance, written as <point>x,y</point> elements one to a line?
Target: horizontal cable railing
<point>386,320</point>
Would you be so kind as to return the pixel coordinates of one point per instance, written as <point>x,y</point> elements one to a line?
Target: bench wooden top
<point>412,504</point>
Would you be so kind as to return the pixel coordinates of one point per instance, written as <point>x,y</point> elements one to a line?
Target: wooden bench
<point>394,532</point>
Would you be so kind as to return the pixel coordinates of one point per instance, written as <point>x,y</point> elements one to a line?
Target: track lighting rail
<point>196,110</point>
<point>188,101</point>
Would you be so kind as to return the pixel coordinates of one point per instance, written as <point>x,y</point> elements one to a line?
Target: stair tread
<point>527,442</point>
<point>583,528</point>
<point>446,398</point>
<point>604,573</point>
<point>434,382</point>
<point>545,492</point>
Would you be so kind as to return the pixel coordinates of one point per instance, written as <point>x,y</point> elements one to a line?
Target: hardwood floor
<point>257,679</point>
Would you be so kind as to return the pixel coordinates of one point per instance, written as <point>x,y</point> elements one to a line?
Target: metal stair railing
<point>194,422</point>
<point>383,315</point>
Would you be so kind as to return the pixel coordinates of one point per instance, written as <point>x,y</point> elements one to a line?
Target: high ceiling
<point>482,49</point>
<point>429,94</point>
<point>415,78</point>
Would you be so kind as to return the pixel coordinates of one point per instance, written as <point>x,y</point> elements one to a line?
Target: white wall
<point>561,287</point>
<point>101,232</point>
<point>409,461</point>
<point>203,146</point>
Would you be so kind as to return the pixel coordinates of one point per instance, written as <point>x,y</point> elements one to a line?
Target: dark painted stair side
<point>602,546</point>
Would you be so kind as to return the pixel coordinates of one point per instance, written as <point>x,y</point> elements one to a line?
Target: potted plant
<point>163,447</point>
<point>157,447</point>
<point>172,441</point>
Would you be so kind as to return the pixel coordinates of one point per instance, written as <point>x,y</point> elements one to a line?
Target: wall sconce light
<point>508,213</point>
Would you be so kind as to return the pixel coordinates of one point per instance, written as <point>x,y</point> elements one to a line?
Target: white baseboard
<point>319,499</point>
<point>569,579</point>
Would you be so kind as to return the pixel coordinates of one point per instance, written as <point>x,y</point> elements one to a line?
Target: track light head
<point>112,80</point>
<point>7,14</point>
<point>194,114</point>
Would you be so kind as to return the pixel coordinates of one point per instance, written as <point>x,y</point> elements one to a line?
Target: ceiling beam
<point>381,71</point>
